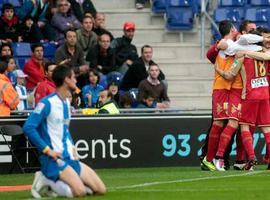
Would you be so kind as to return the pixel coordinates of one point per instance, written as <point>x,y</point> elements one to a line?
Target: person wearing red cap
<point>125,52</point>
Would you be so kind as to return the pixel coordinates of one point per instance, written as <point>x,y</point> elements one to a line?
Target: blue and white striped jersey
<point>48,125</point>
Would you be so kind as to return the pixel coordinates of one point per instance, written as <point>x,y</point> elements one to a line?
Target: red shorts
<point>226,104</point>
<point>255,112</point>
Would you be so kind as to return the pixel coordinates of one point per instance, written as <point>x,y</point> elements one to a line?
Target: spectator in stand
<point>125,101</point>
<point>86,37</point>
<point>37,10</point>
<point>34,67</point>
<point>140,4</point>
<point>72,55</point>
<point>64,20</point>
<point>99,26</point>
<point>47,86</point>
<point>138,70</point>
<point>107,104</point>
<point>8,95</point>
<point>11,66</point>
<point>102,56</point>
<point>91,91</point>
<point>113,88</point>
<point>5,50</point>
<point>126,53</point>
<point>148,100</point>
<point>30,31</point>
<point>80,7</point>
<point>21,89</point>
<point>9,23</point>
<point>152,84</point>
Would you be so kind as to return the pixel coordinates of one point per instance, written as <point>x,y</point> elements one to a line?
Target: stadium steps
<point>177,52</point>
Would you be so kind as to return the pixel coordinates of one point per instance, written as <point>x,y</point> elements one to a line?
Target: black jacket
<point>99,31</point>
<point>124,50</point>
<point>87,7</point>
<point>135,74</point>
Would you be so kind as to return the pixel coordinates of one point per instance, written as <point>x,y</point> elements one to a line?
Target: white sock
<point>88,190</point>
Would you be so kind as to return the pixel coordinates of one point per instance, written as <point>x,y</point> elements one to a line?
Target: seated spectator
<point>91,91</point>
<point>113,88</point>
<point>126,53</point>
<point>11,66</point>
<point>107,104</point>
<point>30,31</point>
<point>101,56</point>
<point>86,37</point>
<point>80,7</point>
<point>152,84</point>
<point>99,25</point>
<point>148,100</point>
<point>37,10</point>
<point>9,23</point>
<point>5,50</point>
<point>138,70</point>
<point>21,89</point>
<point>64,20</point>
<point>72,55</point>
<point>34,67</point>
<point>9,97</point>
<point>125,101</point>
<point>47,86</point>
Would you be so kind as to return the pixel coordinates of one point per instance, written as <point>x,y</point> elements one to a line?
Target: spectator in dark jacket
<point>9,23</point>
<point>102,57</point>
<point>100,25</point>
<point>148,100</point>
<point>30,31</point>
<point>80,7</point>
<point>126,53</point>
<point>138,70</point>
<point>64,20</point>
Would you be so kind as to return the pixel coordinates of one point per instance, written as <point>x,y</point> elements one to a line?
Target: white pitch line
<point>181,181</point>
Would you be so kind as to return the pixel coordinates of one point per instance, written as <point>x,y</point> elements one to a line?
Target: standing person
<point>8,95</point>
<point>91,92</point>
<point>138,70</point>
<point>21,89</point>
<point>153,85</point>
<point>100,25</point>
<point>126,53</point>
<point>34,67</point>
<point>72,54</point>
<point>86,38</point>
<point>47,86</point>
<point>48,129</point>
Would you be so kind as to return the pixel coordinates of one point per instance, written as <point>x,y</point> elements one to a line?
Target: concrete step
<point>199,68</point>
<point>113,4</point>
<point>189,85</point>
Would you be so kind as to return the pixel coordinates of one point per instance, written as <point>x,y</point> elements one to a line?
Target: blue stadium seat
<point>234,3</point>
<point>49,50</point>
<point>179,18</point>
<point>15,3</point>
<point>20,61</point>
<point>260,16</point>
<point>159,6</point>
<point>234,14</point>
<point>181,3</point>
<point>260,2</point>
<point>22,49</point>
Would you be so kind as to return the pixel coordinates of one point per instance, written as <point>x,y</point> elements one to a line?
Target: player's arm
<point>258,55</point>
<point>234,69</point>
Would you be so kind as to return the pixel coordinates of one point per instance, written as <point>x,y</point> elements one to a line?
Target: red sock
<point>240,150</point>
<point>225,139</point>
<point>267,141</point>
<point>248,144</point>
<point>213,142</point>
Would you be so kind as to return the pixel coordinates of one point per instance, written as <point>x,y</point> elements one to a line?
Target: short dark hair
<point>7,6</point>
<point>36,45</point>
<point>153,64</point>
<point>125,99</point>
<point>46,67</point>
<point>244,24</point>
<point>148,94</point>
<point>99,38</point>
<point>95,72</point>
<point>6,58</point>
<point>225,27</point>
<point>262,29</point>
<point>3,67</point>
<point>60,73</point>
<point>145,46</point>
<point>86,17</point>
<point>6,45</point>
<point>69,30</point>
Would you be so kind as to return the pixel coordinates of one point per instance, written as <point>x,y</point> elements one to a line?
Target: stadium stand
<point>159,6</point>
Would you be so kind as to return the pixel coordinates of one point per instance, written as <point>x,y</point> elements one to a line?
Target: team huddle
<point>240,94</point>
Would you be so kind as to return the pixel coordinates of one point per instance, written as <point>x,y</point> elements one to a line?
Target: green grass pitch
<point>168,183</point>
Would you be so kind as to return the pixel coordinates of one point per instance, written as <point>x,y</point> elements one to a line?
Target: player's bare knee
<point>233,123</point>
<point>219,123</point>
<point>101,190</point>
<point>79,192</point>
